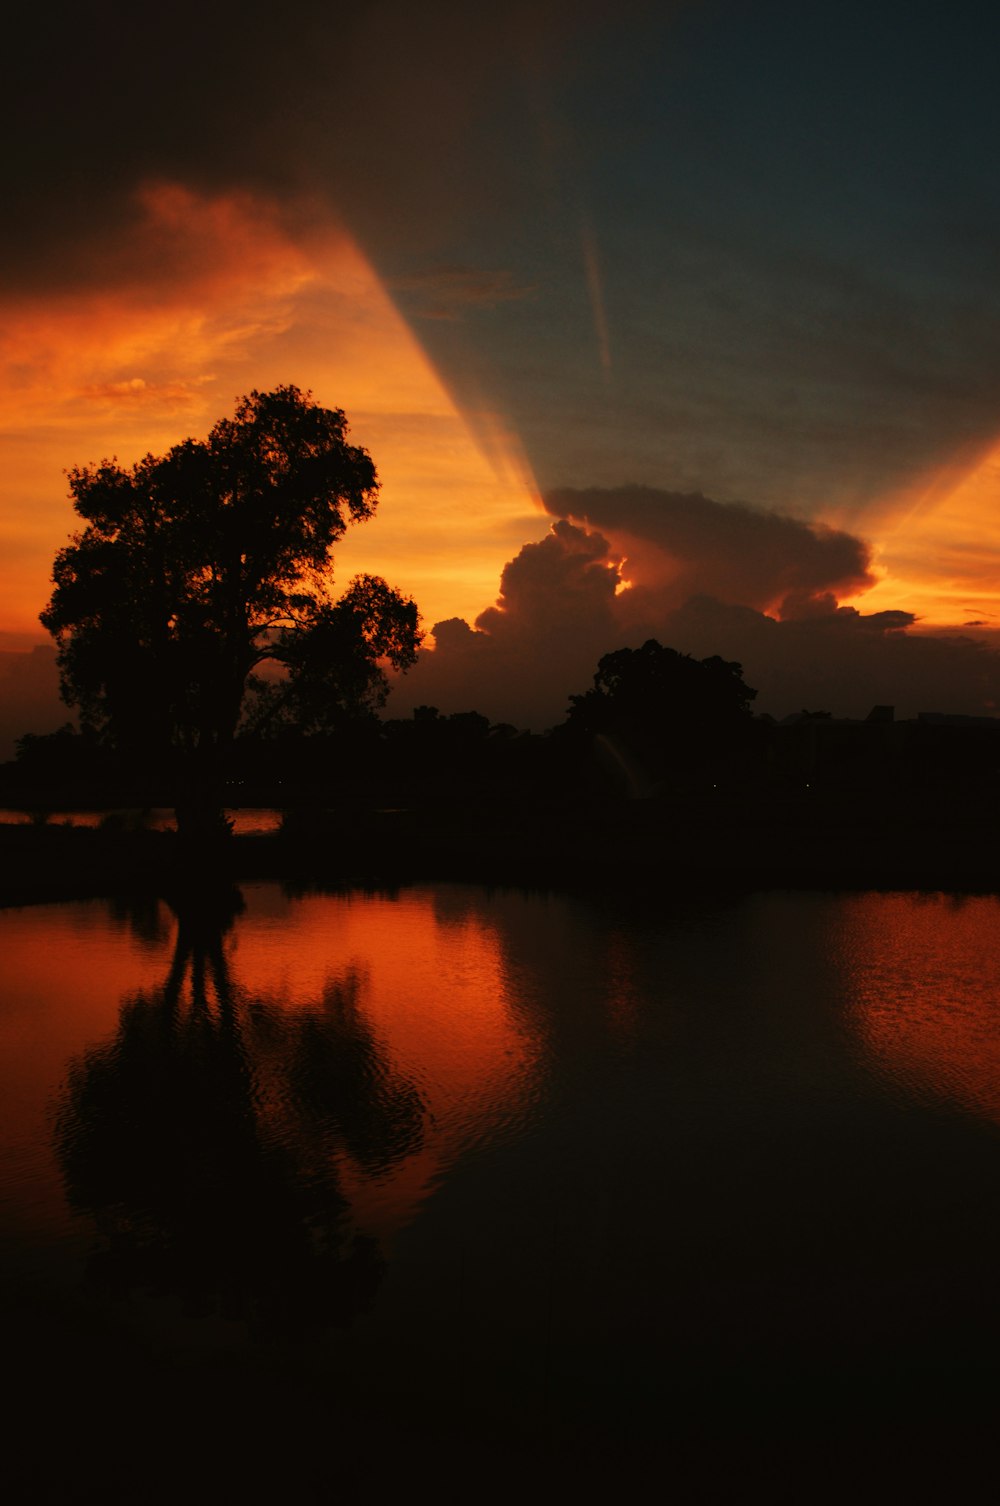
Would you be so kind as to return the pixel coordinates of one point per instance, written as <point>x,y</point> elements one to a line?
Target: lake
<point>490,1191</point>
<point>246,821</point>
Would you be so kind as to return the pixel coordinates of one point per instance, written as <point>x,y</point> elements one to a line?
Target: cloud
<point>770,324</point>
<point>562,605</point>
<point>208,296</point>
<point>377,109</point>
<point>135,390</point>
<point>679,544</point>
<point>843,661</point>
<point>555,615</point>
<point>568,577</point>
<point>192,281</point>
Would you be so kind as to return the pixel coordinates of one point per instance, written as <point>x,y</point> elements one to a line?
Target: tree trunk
<point>200,814</point>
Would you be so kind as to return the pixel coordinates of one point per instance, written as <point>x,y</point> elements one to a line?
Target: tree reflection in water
<point>204,1140</point>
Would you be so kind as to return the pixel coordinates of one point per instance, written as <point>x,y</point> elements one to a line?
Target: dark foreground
<point>698,1204</point>
<point>108,1424</point>
<point>729,1235</point>
<point>796,842</point>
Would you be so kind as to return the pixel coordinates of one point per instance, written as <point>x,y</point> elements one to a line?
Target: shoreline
<point>639,846</point>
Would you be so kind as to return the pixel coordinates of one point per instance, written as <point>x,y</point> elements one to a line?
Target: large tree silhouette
<point>671,711</point>
<point>197,567</point>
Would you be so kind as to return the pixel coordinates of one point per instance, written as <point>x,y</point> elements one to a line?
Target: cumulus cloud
<point>843,661</point>
<point>703,573</point>
<point>681,543</point>
<point>556,613</point>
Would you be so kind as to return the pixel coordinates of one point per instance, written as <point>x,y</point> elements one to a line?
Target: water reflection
<point>674,1174</point>
<point>246,821</point>
<point>205,1139</point>
<point>437,992</point>
<point>923,977</point>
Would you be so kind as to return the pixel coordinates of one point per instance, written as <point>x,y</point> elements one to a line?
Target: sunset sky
<point>676,319</point>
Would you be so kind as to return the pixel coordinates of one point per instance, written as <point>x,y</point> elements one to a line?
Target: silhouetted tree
<point>670,709</point>
<point>65,758</point>
<point>198,567</point>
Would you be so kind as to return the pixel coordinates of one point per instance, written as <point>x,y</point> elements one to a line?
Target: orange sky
<point>937,543</point>
<point>207,298</point>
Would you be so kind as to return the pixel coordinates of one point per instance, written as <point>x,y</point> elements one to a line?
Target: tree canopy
<point>198,568</point>
<point>667,707</point>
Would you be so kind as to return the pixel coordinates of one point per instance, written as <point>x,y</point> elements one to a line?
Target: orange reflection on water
<point>434,996</point>
<point>411,990</point>
<point>924,972</point>
<point>66,969</point>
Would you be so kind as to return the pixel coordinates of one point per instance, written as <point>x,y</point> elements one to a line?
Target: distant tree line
<point>655,724</point>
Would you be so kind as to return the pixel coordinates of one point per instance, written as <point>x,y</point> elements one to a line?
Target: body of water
<point>493,1191</point>
<point>246,820</point>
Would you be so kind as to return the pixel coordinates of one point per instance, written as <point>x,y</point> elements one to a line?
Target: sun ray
<point>937,545</point>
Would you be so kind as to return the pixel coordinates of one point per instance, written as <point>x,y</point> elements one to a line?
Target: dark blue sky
<point>794,212</point>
